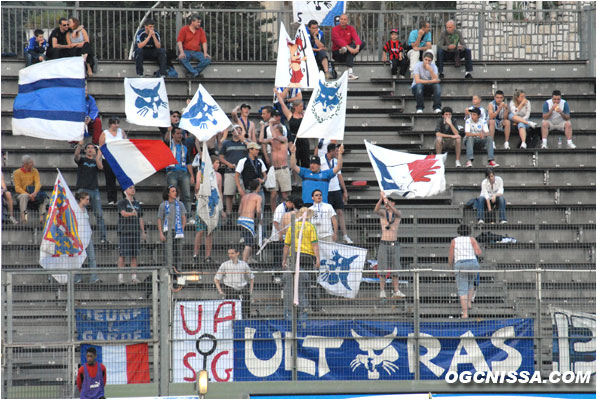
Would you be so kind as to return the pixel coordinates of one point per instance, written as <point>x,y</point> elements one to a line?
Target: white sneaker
<point>353,76</point>
<point>543,145</point>
<point>191,221</point>
<point>523,145</point>
<point>398,295</point>
<point>382,294</point>
<point>120,279</point>
<point>458,164</point>
<point>438,110</point>
<point>532,124</point>
<point>347,240</point>
<point>506,145</point>
<point>419,111</point>
<point>571,145</point>
<point>401,76</point>
<point>111,203</point>
<point>394,76</point>
<point>480,222</point>
<point>342,50</point>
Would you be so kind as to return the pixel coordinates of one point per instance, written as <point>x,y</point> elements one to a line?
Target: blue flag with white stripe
<point>50,103</point>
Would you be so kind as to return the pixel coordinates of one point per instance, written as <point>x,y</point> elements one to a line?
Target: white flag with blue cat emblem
<point>203,117</point>
<point>209,198</point>
<point>341,268</point>
<point>325,116</point>
<point>408,175</point>
<point>324,12</point>
<point>146,102</point>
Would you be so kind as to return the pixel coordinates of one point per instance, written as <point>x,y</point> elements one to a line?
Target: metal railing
<point>536,270</point>
<point>252,34</point>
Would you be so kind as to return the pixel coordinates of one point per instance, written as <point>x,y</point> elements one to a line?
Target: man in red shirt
<point>192,44</point>
<point>346,44</point>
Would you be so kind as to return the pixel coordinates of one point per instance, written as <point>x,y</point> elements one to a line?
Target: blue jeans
<point>90,263</point>
<point>182,180</point>
<point>420,90</point>
<point>482,202</point>
<point>197,55</point>
<point>443,55</point>
<point>470,142</point>
<point>96,204</point>
<point>31,59</point>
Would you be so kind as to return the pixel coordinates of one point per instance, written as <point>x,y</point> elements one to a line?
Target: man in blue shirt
<point>181,174</point>
<point>149,46</point>
<point>313,177</point>
<point>36,49</point>
<point>92,119</point>
<point>319,50</point>
<point>419,41</point>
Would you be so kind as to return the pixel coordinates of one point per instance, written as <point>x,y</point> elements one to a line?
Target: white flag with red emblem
<point>408,175</point>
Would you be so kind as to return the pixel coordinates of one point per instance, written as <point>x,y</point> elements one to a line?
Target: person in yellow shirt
<point>28,188</point>
<point>308,261</point>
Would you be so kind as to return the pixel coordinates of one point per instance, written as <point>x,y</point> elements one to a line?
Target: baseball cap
<point>475,110</point>
<point>253,145</point>
<point>394,30</point>
<point>314,160</point>
<point>275,113</point>
<point>245,105</point>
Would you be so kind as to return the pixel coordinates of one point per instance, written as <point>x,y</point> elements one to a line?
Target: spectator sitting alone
<point>492,192</point>
<point>556,116</point>
<point>36,48</point>
<point>425,80</point>
<point>346,44</point>
<point>453,46</point>
<point>192,44</point>
<point>148,46</point>
<point>28,189</point>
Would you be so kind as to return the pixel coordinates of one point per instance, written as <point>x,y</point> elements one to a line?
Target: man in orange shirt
<point>28,188</point>
<point>192,44</point>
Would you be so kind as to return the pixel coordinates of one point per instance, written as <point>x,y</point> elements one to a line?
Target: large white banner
<point>203,117</point>
<point>146,101</point>
<point>204,329</point>
<point>341,268</point>
<point>325,116</point>
<point>323,12</point>
<point>296,65</point>
<point>574,341</point>
<point>409,175</point>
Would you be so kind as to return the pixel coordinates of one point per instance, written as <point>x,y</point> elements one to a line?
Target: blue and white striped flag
<point>50,103</point>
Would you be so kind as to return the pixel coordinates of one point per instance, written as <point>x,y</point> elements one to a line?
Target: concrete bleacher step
<point>534,194</point>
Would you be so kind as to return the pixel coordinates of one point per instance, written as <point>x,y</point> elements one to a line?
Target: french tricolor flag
<point>124,363</point>
<point>133,160</point>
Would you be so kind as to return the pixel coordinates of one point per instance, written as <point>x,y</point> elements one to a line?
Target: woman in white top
<point>80,41</point>
<point>109,135</point>
<point>492,192</point>
<point>520,111</point>
<point>464,251</point>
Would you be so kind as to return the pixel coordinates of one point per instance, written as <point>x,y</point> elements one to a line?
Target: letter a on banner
<point>296,65</point>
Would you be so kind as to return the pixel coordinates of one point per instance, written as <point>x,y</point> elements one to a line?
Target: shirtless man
<point>249,210</point>
<point>280,164</point>
<point>388,254</point>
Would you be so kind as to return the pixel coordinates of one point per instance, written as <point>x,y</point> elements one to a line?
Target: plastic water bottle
<point>559,142</point>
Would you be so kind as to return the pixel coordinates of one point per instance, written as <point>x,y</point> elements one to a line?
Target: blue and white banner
<point>408,175</point>
<point>325,116</point>
<point>296,66</point>
<point>341,268</point>
<point>50,103</point>
<point>113,323</point>
<point>146,102</point>
<point>324,12</point>
<point>203,117</point>
<point>209,198</point>
<point>261,351</point>
<point>66,234</point>
<point>574,335</point>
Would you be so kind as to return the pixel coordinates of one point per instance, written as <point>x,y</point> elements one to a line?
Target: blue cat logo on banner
<point>113,324</point>
<point>324,12</point>
<point>324,354</point>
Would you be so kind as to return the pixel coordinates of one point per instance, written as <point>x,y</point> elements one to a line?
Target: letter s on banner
<point>185,362</point>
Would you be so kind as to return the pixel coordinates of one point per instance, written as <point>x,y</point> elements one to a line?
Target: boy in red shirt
<point>393,49</point>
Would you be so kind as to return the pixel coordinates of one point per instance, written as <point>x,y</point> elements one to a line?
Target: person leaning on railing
<point>463,254</point>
